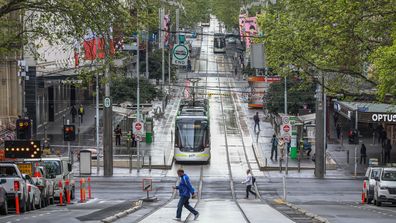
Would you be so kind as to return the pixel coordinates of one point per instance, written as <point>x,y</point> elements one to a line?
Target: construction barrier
<point>81,191</point>
<point>60,186</point>
<point>89,188</point>
<point>16,189</point>
<point>67,191</point>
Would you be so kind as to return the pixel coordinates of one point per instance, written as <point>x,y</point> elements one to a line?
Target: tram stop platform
<point>211,210</point>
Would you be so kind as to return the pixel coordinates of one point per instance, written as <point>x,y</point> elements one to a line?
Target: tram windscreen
<point>192,135</point>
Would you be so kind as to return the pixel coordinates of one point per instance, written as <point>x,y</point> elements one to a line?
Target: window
<point>389,175</point>
<point>8,171</point>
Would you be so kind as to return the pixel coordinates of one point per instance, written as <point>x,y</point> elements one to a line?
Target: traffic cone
<point>81,191</point>
<point>363,198</point>
<point>61,203</point>
<point>67,191</point>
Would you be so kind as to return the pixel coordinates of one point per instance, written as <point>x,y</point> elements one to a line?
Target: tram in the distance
<point>192,132</point>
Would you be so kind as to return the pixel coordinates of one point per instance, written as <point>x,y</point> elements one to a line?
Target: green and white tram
<point>192,134</point>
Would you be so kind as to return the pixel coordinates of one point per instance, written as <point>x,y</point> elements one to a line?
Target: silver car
<point>369,183</point>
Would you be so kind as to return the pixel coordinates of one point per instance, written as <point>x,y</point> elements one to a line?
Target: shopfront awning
<point>367,112</point>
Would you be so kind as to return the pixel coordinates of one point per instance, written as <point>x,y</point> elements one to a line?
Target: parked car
<point>42,180</point>
<point>385,187</point>
<point>34,197</point>
<point>369,182</point>
<point>3,199</point>
<point>14,183</point>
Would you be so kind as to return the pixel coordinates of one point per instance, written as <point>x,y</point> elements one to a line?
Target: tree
<point>155,65</point>
<point>59,22</point>
<point>124,89</point>
<point>299,94</point>
<point>384,63</point>
<point>330,38</point>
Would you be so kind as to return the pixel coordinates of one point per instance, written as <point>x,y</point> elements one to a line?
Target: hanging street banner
<point>180,55</point>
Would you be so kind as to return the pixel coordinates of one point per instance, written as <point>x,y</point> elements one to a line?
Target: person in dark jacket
<point>274,148</point>
<point>186,190</point>
<point>338,129</point>
<point>256,119</point>
<point>363,154</point>
<point>388,148</point>
<point>73,112</point>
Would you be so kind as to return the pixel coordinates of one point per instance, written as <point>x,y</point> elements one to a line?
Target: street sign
<point>138,128</point>
<point>107,102</point>
<point>180,55</point>
<point>286,128</point>
<point>147,184</point>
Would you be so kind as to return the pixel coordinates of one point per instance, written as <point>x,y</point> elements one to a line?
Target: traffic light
<point>69,133</point>
<point>24,128</point>
<point>22,149</point>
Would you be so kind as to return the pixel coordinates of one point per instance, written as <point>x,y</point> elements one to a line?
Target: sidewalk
<point>85,131</point>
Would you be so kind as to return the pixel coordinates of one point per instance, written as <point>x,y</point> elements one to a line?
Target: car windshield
<point>375,173</point>
<point>8,171</point>
<point>389,175</point>
<point>52,166</point>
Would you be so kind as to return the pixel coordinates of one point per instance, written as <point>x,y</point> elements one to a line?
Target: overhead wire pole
<point>163,55</point>
<point>319,130</point>
<point>138,98</point>
<point>108,123</point>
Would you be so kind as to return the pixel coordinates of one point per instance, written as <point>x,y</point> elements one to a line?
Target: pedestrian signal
<point>23,128</point>
<point>69,133</point>
<point>22,149</point>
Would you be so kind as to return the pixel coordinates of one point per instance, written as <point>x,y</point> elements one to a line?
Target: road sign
<point>107,102</point>
<point>286,128</point>
<point>138,128</point>
<point>180,55</point>
<point>147,184</point>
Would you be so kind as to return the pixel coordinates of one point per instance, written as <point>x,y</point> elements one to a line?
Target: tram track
<point>231,179</point>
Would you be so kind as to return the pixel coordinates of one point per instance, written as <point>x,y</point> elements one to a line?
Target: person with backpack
<point>274,148</point>
<point>186,191</point>
<point>250,181</point>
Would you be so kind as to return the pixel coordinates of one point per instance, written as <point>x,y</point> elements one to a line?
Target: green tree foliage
<point>226,11</point>
<point>384,60</point>
<point>333,38</point>
<point>58,22</point>
<point>124,89</point>
<point>299,93</point>
<point>155,65</point>
<point>195,11</point>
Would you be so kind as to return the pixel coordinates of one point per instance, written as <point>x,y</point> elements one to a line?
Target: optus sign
<point>383,117</point>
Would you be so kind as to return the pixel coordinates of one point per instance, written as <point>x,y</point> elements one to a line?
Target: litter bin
<point>149,130</point>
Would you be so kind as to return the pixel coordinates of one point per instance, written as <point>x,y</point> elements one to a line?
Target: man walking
<point>118,134</point>
<point>249,183</point>
<point>274,148</point>
<point>338,129</point>
<point>81,112</point>
<point>363,154</point>
<point>256,121</point>
<point>185,191</point>
<point>73,112</point>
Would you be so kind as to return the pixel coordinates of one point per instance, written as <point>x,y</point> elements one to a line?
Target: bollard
<point>130,163</point>
<point>89,188</point>
<point>280,165</point>
<point>347,156</point>
<point>299,161</point>
<point>150,163</point>
<point>67,191</point>
<point>266,161</point>
<point>16,189</point>
<point>84,190</point>
<point>81,191</point>
<point>60,186</point>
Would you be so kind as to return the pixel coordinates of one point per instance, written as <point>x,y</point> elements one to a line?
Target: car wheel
<point>29,204</point>
<point>4,209</point>
<point>33,205</point>
<point>378,203</point>
<point>23,205</point>
<point>39,204</point>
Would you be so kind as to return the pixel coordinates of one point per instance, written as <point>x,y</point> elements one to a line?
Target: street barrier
<point>89,188</point>
<point>16,189</point>
<point>60,186</point>
<point>81,191</point>
<point>67,191</point>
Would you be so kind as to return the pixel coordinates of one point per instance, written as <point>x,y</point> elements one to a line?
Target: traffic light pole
<point>68,145</point>
<point>138,99</point>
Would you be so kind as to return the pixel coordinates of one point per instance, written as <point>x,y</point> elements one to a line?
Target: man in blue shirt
<point>185,191</point>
